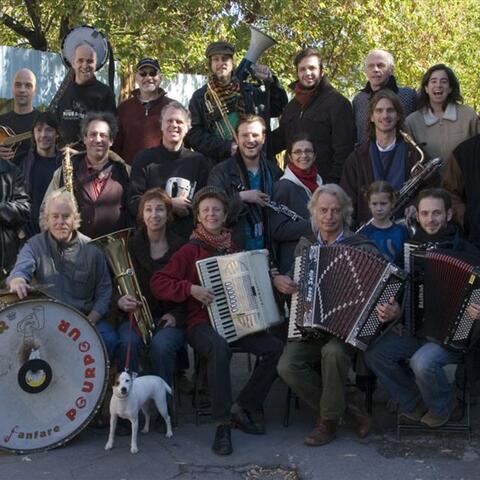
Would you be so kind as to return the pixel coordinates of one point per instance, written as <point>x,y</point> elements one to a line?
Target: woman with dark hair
<point>294,189</point>
<point>179,282</point>
<point>151,246</point>
<point>441,121</point>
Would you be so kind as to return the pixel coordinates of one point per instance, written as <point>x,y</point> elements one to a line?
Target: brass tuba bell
<point>115,247</point>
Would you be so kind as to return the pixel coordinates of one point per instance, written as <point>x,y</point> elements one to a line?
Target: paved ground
<point>278,455</point>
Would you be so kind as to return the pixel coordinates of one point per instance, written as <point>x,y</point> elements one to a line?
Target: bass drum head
<point>53,375</point>
<point>85,34</point>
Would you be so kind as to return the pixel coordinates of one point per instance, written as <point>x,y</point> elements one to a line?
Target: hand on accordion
<point>473,311</point>
<point>284,284</point>
<point>388,311</point>
<point>202,294</point>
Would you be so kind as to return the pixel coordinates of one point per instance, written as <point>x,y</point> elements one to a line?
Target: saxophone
<point>67,170</point>
<point>419,174</point>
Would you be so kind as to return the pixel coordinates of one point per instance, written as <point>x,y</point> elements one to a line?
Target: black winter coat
<point>14,212</point>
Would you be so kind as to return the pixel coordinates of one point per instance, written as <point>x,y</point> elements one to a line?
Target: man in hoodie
<point>139,116</point>
<point>426,396</point>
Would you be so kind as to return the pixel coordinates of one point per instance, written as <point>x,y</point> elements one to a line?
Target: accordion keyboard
<point>218,309</point>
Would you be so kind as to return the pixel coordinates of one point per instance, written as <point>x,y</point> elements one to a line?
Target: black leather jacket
<point>14,212</point>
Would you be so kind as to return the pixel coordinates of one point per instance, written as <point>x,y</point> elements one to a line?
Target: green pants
<point>300,364</point>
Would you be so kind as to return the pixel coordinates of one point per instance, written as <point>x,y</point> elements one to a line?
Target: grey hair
<point>342,197</point>
<point>60,195</point>
<point>177,106</point>
<point>379,51</point>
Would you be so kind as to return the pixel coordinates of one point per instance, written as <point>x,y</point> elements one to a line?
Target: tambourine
<point>88,35</point>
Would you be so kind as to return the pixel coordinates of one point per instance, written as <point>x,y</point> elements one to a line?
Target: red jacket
<point>138,125</point>
<point>174,282</point>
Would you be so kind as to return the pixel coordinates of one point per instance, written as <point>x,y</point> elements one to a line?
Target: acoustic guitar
<point>8,138</point>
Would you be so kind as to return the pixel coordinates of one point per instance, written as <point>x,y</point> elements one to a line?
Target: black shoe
<point>222,445</point>
<point>242,420</point>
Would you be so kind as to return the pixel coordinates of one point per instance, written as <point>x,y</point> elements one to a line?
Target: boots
<point>356,412</point>
<point>323,433</point>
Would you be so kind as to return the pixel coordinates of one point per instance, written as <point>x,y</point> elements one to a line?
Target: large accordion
<point>339,289</point>
<point>244,302</point>
<point>443,284</point>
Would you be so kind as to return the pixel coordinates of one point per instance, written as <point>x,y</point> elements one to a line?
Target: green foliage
<point>419,33</point>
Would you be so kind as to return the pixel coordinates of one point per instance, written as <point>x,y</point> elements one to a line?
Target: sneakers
<point>434,421</point>
<point>222,444</point>
<point>417,414</point>
<point>323,433</point>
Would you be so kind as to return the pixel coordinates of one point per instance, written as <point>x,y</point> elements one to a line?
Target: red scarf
<point>221,242</point>
<point>307,177</point>
<point>303,95</point>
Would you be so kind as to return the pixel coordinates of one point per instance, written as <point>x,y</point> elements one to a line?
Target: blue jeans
<point>165,345</point>
<point>388,360</point>
<point>109,336</point>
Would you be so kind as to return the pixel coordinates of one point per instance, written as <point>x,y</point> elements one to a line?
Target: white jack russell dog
<point>132,393</point>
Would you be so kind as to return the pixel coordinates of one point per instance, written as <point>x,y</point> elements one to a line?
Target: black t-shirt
<point>79,100</point>
<point>20,123</point>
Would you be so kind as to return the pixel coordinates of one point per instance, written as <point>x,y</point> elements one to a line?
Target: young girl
<point>387,235</point>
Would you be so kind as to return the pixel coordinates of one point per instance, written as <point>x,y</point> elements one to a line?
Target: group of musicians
<point>203,182</point>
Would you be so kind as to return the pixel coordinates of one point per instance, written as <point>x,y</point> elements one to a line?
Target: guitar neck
<point>9,141</point>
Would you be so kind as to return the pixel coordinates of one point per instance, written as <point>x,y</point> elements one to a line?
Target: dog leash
<point>131,319</point>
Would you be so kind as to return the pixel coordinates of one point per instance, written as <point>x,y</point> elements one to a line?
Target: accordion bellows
<point>338,291</point>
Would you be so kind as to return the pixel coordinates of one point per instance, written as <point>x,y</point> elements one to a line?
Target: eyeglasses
<point>150,73</point>
<point>307,152</point>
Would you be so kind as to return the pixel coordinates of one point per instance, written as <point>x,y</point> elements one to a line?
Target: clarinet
<point>276,207</point>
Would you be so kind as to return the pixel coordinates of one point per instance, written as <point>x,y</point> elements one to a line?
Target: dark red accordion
<point>339,289</point>
<point>443,284</point>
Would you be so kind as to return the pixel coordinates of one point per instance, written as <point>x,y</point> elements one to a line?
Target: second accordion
<point>339,289</point>
<point>444,283</point>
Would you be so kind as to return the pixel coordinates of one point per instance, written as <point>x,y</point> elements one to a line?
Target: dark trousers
<point>210,345</point>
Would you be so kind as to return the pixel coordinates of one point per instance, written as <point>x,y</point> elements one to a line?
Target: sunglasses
<point>150,73</point>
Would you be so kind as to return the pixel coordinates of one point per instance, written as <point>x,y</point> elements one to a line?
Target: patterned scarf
<point>221,242</point>
<point>229,95</point>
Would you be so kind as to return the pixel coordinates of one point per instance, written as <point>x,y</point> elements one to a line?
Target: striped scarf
<point>229,95</point>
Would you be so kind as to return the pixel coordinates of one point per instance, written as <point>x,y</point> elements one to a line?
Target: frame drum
<point>88,35</point>
<point>53,372</point>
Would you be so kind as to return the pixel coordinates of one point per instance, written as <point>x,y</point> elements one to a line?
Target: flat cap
<point>220,48</point>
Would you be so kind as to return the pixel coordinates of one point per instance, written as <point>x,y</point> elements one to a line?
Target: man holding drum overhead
<point>85,94</point>
<point>61,256</point>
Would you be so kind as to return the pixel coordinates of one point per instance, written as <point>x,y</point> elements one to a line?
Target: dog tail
<point>167,386</point>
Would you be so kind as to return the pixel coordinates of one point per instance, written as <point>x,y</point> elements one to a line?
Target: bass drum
<point>53,373</point>
<point>89,35</point>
